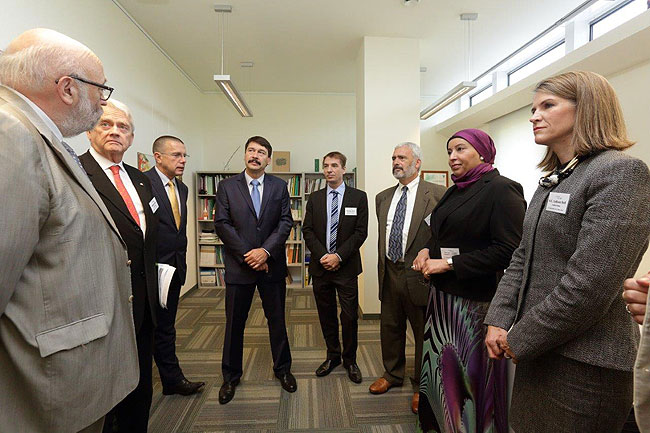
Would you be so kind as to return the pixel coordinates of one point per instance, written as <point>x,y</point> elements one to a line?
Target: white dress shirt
<point>165,181</point>
<point>260,187</point>
<point>106,165</point>
<point>410,203</point>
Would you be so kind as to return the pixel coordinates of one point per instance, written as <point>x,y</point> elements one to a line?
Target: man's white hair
<point>118,105</point>
<point>417,153</point>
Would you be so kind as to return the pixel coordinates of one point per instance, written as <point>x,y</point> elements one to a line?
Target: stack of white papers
<point>165,274</point>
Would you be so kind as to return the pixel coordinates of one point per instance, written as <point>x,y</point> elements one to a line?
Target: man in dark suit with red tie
<point>253,219</point>
<point>171,197</point>
<point>126,192</point>
<point>335,227</point>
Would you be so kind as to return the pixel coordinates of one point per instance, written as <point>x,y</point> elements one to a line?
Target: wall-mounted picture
<point>281,161</point>
<point>145,161</point>
<point>436,177</point>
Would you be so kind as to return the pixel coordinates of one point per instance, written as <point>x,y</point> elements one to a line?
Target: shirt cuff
<point>266,251</point>
<point>340,259</point>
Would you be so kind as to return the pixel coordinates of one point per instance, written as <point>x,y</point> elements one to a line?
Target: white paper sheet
<point>165,274</point>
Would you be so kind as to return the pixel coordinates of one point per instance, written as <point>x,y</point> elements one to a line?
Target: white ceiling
<point>312,45</point>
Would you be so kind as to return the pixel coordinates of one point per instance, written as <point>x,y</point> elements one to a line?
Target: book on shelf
<point>289,278</point>
<point>208,255</point>
<point>208,277</point>
<point>296,233</point>
<point>296,209</point>
<point>221,277</point>
<point>208,236</point>
<point>307,277</point>
<point>293,184</point>
<point>312,185</point>
<point>294,253</point>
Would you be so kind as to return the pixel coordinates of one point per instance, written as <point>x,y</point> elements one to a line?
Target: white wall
<point>518,155</point>
<point>161,99</point>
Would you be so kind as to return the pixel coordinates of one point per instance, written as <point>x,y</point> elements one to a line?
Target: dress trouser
<point>238,303</point>
<point>131,415</point>
<point>325,290</point>
<point>396,309</point>
<point>164,351</point>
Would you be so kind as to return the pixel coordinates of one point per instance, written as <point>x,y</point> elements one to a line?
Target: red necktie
<point>125,195</point>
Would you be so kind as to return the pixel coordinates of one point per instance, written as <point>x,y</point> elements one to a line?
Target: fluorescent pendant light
<point>228,88</point>
<point>462,88</point>
<point>223,81</point>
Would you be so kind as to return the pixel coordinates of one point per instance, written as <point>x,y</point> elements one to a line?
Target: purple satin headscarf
<point>484,146</point>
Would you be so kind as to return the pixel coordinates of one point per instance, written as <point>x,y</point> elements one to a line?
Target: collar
<point>104,162</point>
<point>340,189</point>
<point>44,117</point>
<point>163,177</point>
<point>249,179</point>
<point>411,185</point>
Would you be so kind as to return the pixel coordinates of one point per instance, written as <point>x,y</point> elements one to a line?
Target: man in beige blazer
<point>67,343</point>
<point>404,215</point>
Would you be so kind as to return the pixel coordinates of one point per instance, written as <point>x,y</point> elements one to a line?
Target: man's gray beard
<point>82,118</point>
<point>409,171</point>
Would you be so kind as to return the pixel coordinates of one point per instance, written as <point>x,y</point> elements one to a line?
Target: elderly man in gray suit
<point>404,215</point>
<point>67,342</point>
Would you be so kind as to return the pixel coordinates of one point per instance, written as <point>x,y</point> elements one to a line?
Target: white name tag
<point>448,253</point>
<point>558,202</point>
<point>153,204</point>
<point>350,211</point>
<point>427,220</point>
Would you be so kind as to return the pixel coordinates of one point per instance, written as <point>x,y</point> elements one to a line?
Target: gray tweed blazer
<point>562,290</point>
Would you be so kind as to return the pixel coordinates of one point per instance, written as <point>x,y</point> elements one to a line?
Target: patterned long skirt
<point>461,389</point>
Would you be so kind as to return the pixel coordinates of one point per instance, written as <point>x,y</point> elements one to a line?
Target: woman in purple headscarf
<point>475,228</point>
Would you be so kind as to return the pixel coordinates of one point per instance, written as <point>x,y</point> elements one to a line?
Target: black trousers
<point>164,349</point>
<point>131,415</point>
<point>238,303</point>
<point>325,290</point>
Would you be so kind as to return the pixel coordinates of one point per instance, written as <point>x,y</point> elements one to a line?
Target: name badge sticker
<point>427,220</point>
<point>558,202</point>
<point>447,253</point>
<point>153,204</point>
<point>350,211</point>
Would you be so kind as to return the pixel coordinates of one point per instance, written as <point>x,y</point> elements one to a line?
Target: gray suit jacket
<point>562,291</point>
<point>426,199</point>
<point>67,343</point>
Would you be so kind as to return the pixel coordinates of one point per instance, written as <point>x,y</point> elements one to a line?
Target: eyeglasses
<point>176,155</point>
<point>105,93</point>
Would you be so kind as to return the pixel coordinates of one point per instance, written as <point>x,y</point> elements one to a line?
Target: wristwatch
<point>450,262</point>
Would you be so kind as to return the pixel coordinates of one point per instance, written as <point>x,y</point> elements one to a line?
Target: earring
<point>481,158</point>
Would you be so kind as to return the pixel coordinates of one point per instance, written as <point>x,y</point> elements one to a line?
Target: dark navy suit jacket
<point>241,231</point>
<point>172,242</point>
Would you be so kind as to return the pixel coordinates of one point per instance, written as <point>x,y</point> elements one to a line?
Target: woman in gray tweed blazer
<point>558,311</point>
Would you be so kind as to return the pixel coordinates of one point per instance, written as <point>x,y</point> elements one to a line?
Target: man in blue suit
<point>253,219</point>
<point>171,197</point>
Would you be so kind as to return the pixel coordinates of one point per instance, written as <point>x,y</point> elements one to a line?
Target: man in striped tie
<point>335,227</point>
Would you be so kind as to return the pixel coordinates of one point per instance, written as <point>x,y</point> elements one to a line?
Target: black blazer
<point>351,233</point>
<point>172,242</point>
<point>241,231</point>
<point>141,251</point>
<point>486,226</point>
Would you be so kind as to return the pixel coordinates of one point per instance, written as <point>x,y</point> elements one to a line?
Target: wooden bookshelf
<point>209,250</point>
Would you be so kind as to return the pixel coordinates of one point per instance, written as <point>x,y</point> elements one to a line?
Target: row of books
<point>312,185</point>
<point>293,185</point>
<point>294,253</point>
<point>213,277</point>
<point>208,236</point>
<point>207,207</point>
<point>210,255</point>
<point>296,233</point>
<point>207,183</point>
<point>296,209</point>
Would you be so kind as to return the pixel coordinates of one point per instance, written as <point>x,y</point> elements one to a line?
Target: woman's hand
<point>496,341</point>
<point>420,260</point>
<point>635,294</point>
<point>435,266</point>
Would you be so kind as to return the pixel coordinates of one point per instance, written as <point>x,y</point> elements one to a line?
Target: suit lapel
<point>268,188</point>
<point>182,192</point>
<point>320,211</point>
<point>384,207</point>
<point>419,207</point>
<point>141,189</point>
<point>243,188</point>
<point>160,192</point>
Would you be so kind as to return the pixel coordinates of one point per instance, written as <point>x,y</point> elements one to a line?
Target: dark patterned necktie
<point>73,154</point>
<point>395,238</point>
<point>334,221</point>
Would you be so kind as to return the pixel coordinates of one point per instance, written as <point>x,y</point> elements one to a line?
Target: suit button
<point>131,298</point>
<point>142,274</point>
<point>128,262</point>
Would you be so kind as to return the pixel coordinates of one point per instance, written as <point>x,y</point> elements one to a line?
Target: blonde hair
<point>599,123</point>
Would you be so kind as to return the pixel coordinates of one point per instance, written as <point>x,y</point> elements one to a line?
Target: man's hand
<point>421,260</point>
<point>435,266</point>
<point>263,267</point>
<point>256,257</point>
<point>330,262</point>
<point>635,294</point>
<point>496,341</point>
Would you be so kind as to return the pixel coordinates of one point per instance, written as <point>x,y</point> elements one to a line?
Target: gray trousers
<point>556,394</point>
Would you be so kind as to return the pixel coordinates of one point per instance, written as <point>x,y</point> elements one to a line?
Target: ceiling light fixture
<point>464,86</point>
<point>224,82</point>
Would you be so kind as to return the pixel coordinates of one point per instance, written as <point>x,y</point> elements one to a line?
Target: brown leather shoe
<point>415,402</point>
<point>380,386</point>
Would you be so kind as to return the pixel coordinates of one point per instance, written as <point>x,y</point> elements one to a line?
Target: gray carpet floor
<point>329,404</point>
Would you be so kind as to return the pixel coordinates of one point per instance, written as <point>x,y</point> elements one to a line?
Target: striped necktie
<point>334,221</point>
<point>395,240</point>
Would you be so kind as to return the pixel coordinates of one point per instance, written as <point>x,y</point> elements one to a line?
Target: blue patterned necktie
<point>334,221</point>
<point>73,154</point>
<point>255,196</point>
<point>395,238</point>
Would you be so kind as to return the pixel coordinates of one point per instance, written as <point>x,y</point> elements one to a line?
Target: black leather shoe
<point>354,373</point>
<point>227,391</point>
<point>288,382</point>
<point>184,387</point>
<point>327,367</point>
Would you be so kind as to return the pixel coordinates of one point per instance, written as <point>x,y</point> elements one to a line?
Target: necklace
<point>554,178</point>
